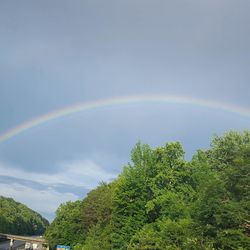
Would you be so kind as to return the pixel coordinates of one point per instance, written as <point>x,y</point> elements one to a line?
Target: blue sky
<point>58,53</point>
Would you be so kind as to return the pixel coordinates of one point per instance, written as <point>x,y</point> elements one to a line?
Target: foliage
<point>161,201</point>
<point>130,197</point>
<point>66,228</point>
<point>96,207</point>
<point>85,221</point>
<point>98,238</point>
<point>156,186</point>
<point>16,218</point>
<point>222,211</point>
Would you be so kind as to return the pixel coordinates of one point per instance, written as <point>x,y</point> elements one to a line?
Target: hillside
<point>16,218</point>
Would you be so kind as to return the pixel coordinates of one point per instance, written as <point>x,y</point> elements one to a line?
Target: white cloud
<point>84,173</point>
<point>44,201</point>
<point>81,173</point>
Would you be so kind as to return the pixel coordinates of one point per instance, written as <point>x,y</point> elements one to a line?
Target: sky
<point>57,54</point>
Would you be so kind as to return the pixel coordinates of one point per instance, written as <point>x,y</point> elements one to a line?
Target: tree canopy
<point>162,201</point>
<point>16,218</point>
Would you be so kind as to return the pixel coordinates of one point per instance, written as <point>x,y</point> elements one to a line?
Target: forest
<point>163,201</point>
<point>16,218</point>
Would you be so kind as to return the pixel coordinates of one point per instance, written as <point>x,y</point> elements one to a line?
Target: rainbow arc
<point>81,107</point>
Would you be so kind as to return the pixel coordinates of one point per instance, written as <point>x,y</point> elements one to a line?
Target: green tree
<point>160,201</point>
<point>96,207</point>
<point>165,234</point>
<point>16,218</point>
<point>96,215</point>
<point>98,238</point>
<point>157,185</point>
<point>222,208</point>
<point>66,229</point>
<point>130,197</point>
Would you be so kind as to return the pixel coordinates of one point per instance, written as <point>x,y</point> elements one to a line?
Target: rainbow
<point>81,107</point>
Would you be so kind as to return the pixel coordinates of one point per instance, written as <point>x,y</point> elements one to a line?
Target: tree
<point>222,209</point>
<point>130,197</point>
<point>160,201</point>
<point>66,229</point>
<point>98,238</point>
<point>156,185</point>
<point>16,218</point>
<point>96,207</point>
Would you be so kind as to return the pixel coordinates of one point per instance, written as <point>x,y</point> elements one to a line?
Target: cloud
<point>82,173</point>
<point>44,201</point>
<point>86,173</point>
<point>44,192</point>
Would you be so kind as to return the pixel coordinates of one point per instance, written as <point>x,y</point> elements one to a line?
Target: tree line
<point>162,201</point>
<point>16,218</point>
